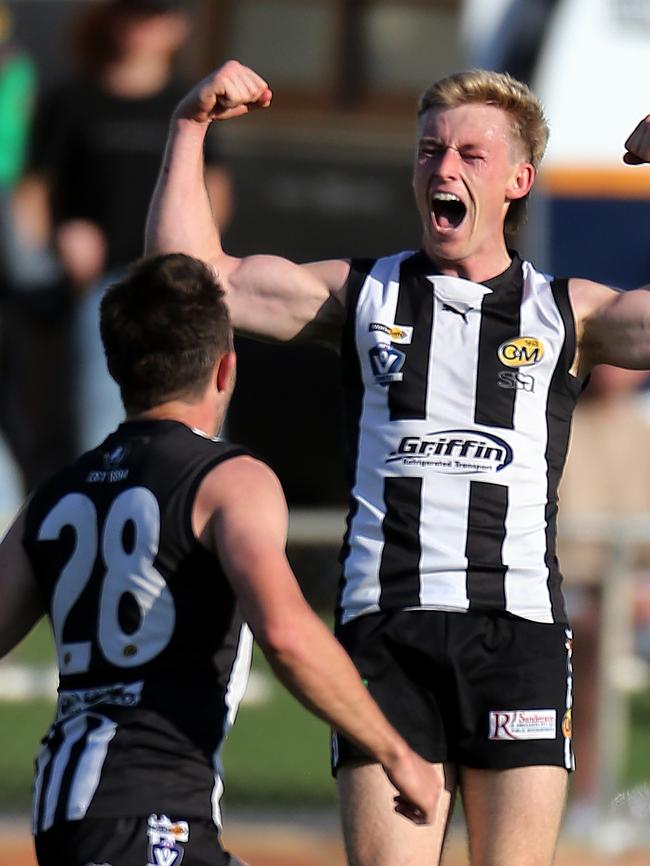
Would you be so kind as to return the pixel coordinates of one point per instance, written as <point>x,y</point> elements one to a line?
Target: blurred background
<point>86,90</point>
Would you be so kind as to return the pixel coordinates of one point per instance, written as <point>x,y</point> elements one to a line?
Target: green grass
<point>276,753</point>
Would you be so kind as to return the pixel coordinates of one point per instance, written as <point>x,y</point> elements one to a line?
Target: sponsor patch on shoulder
<point>523,724</point>
<point>397,333</point>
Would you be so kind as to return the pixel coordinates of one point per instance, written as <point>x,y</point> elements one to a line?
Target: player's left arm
<point>614,326</point>
<point>22,604</point>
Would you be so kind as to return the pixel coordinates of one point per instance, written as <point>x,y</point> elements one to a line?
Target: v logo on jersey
<point>166,856</point>
<point>387,362</point>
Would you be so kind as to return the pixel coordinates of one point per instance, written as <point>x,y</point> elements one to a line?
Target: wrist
<point>394,753</point>
<point>187,127</point>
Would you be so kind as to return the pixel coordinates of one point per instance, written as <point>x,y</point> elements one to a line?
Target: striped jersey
<point>152,651</point>
<point>459,399</point>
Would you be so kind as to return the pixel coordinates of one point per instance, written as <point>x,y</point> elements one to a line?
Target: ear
<point>521,182</point>
<point>225,369</point>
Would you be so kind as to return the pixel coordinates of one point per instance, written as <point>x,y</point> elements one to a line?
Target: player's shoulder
<point>244,475</point>
<point>588,296</point>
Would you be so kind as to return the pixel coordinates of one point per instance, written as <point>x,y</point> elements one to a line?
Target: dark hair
<point>163,327</point>
<point>95,33</point>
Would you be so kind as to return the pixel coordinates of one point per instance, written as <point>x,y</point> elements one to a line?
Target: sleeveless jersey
<point>459,399</point>
<point>152,652</point>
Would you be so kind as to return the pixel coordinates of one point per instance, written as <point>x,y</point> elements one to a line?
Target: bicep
<point>274,298</point>
<point>616,330</point>
<point>22,605</point>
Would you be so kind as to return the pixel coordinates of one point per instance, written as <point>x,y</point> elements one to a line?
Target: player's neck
<point>203,416</point>
<point>478,268</point>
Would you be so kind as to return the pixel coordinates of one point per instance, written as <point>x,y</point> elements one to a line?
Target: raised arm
<point>613,326</point>
<point>240,514</point>
<point>22,605</point>
<point>268,296</point>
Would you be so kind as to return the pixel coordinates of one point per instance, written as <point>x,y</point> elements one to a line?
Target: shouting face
<point>467,170</point>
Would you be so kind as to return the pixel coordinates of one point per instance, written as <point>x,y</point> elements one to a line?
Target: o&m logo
<point>521,352</point>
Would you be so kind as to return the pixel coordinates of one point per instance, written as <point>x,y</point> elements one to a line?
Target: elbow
<point>281,643</point>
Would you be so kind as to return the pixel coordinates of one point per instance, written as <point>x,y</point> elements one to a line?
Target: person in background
<point>610,430</point>
<point>96,146</point>
<point>150,553</point>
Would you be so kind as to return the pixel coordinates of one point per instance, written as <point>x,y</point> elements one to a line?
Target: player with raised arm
<point>150,554</point>
<point>462,365</point>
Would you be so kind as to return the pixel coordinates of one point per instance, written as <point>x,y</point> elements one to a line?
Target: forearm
<point>180,216</point>
<point>318,672</point>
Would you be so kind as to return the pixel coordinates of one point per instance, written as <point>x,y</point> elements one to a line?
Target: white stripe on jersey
<point>89,769</point>
<point>235,690</point>
<point>86,774</point>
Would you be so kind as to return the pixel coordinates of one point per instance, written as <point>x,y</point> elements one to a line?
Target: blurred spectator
<point>97,145</point>
<point>610,432</point>
<point>17,89</point>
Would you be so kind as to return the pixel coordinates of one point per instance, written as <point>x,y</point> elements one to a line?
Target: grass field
<point>276,753</point>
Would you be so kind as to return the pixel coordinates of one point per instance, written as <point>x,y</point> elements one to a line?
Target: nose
<point>446,162</point>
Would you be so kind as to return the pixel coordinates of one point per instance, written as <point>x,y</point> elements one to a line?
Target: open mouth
<point>448,210</point>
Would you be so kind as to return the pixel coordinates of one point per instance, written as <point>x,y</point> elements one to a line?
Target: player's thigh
<point>374,834</point>
<point>513,816</point>
<point>132,841</point>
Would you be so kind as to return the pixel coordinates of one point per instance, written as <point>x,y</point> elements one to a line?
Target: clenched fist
<point>230,91</point>
<point>638,144</point>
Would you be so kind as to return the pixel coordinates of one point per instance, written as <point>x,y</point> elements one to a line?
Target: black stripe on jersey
<point>399,569</point>
<point>562,395</point>
<point>500,322</point>
<point>408,399</point>
<point>486,531</point>
<point>353,392</point>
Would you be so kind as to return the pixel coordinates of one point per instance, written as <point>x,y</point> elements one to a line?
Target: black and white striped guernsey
<point>152,651</point>
<point>459,399</point>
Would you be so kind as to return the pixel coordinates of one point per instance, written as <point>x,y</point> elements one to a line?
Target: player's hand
<point>230,91</point>
<point>638,144</point>
<point>420,786</point>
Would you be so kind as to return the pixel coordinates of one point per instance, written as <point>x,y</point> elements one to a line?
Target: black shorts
<point>135,841</point>
<point>479,690</point>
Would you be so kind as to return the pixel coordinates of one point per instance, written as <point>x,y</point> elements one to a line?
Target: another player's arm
<point>22,604</point>
<point>613,326</point>
<point>240,513</point>
<point>268,296</point>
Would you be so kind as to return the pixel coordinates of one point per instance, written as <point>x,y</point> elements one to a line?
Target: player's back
<point>152,652</point>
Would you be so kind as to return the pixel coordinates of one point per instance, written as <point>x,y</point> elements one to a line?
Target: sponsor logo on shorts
<point>512,380</point>
<point>521,352</point>
<point>397,333</point>
<point>522,724</point>
<point>165,837</point>
<point>387,362</point>
<point>454,452</point>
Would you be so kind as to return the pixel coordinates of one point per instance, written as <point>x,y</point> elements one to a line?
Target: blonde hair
<point>528,124</point>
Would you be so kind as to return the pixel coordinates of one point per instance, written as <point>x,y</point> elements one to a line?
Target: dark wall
<point>287,405</point>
